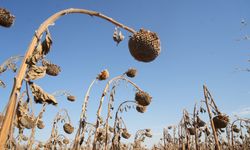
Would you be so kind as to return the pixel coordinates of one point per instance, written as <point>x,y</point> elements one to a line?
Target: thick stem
<point>211,119</point>
<point>20,76</point>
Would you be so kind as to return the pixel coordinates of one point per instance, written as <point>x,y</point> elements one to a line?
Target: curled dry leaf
<point>36,72</point>
<point>40,96</point>
<point>47,43</point>
<point>118,36</point>
<point>27,121</point>
<point>36,56</point>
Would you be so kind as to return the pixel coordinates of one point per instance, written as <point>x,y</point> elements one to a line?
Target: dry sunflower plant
<point>19,113</point>
<point>218,133</point>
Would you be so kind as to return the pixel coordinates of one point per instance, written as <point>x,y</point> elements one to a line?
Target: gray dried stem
<point>35,41</point>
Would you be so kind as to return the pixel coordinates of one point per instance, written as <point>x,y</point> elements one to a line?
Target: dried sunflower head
<point>148,130</point>
<point>144,45</point>
<point>143,98</point>
<point>53,69</point>
<point>191,131</point>
<point>141,109</point>
<point>24,138</point>
<point>236,129</point>
<point>6,18</point>
<point>103,75</point>
<point>200,122</point>
<point>40,96</point>
<point>40,124</point>
<point>148,134</point>
<point>220,121</point>
<point>68,128</point>
<point>66,141</point>
<point>131,72</point>
<point>71,98</point>
<point>40,145</point>
<point>111,129</point>
<point>125,134</point>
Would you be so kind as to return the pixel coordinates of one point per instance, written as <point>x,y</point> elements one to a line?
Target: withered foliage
<point>41,96</point>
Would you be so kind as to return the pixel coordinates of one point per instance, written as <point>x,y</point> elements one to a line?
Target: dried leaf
<point>118,36</point>
<point>36,72</point>
<point>40,96</point>
<point>12,66</point>
<point>36,56</point>
<point>47,43</point>
<point>2,84</point>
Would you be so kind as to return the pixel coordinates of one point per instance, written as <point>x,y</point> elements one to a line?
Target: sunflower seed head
<point>103,75</point>
<point>68,128</point>
<point>6,18</point>
<point>125,134</point>
<point>143,98</point>
<point>131,72</point>
<point>141,109</point>
<point>71,98</point>
<point>144,45</point>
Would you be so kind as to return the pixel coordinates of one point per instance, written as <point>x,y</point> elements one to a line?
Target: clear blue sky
<point>199,46</point>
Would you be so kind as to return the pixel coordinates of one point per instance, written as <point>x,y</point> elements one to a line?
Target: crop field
<point>71,88</point>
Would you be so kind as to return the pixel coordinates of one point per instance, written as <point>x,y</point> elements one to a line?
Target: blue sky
<point>199,46</point>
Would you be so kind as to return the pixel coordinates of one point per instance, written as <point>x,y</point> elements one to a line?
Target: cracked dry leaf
<point>40,96</point>
<point>36,72</point>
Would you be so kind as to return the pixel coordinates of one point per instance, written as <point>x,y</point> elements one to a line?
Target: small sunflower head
<point>126,134</point>
<point>71,98</point>
<point>143,98</point>
<point>6,18</point>
<point>131,72</point>
<point>68,128</point>
<point>103,75</point>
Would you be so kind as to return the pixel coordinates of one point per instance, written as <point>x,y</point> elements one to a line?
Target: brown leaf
<point>36,72</point>
<point>47,43</point>
<point>40,96</point>
<point>36,56</point>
